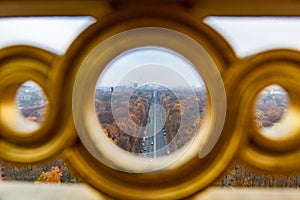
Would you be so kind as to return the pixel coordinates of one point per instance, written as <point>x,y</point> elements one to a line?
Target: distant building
<point>104,89</point>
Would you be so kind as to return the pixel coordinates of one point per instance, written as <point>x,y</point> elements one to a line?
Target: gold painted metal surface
<point>199,8</point>
<point>252,75</point>
<point>178,182</point>
<point>19,141</point>
<point>243,80</point>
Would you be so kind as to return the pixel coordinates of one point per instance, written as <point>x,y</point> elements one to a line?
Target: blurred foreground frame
<point>242,79</point>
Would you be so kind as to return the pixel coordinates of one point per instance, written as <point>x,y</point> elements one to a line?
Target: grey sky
<point>247,35</point>
<point>151,63</point>
<point>54,34</point>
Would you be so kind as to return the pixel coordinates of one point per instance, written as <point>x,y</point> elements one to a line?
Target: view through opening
<point>32,102</point>
<point>271,106</point>
<point>150,101</point>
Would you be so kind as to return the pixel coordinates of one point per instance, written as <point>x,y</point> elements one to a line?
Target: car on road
<point>151,142</point>
<point>165,133</point>
<point>145,148</point>
<point>146,137</point>
<point>168,152</point>
<point>143,143</point>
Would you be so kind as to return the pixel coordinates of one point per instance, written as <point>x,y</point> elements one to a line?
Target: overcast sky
<point>54,34</point>
<point>151,65</point>
<point>245,35</point>
<point>248,35</point>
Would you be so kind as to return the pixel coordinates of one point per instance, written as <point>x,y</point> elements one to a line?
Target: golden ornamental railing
<point>70,128</point>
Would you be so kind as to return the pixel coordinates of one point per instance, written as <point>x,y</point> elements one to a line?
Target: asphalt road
<point>155,141</point>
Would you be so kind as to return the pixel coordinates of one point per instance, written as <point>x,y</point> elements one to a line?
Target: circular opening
<point>23,109</point>
<point>150,101</point>
<point>171,70</point>
<point>270,109</point>
<point>31,102</point>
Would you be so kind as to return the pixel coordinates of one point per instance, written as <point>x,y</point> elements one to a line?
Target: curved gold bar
<point>249,77</point>
<point>20,141</point>
<point>179,181</point>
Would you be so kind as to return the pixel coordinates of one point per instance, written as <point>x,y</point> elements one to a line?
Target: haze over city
<point>150,65</point>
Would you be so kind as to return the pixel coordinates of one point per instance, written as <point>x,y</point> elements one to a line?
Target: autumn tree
<point>130,113</point>
<point>52,176</point>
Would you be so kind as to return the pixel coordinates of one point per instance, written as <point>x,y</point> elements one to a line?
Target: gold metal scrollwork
<point>249,77</point>
<point>195,174</point>
<point>243,80</point>
<point>20,142</point>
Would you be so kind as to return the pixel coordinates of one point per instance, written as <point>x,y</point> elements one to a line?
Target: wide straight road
<point>155,141</point>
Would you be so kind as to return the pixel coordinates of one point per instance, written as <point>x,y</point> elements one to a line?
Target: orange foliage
<point>52,176</point>
<point>32,119</point>
<point>120,129</point>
